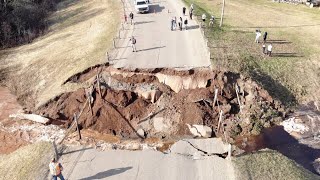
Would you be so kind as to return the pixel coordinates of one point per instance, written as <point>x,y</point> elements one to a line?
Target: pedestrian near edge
<point>264,48</point>
<point>203,19</point>
<point>190,13</point>
<point>181,23</point>
<point>258,34</point>
<point>131,17</point>
<point>211,21</point>
<point>172,23</point>
<point>269,50</point>
<point>184,10</point>
<point>265,35</point>
<point>186,24</point>
<point>55,169</point>
<point>133,44</point>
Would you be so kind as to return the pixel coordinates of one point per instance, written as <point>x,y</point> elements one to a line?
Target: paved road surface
<point>182,163</point>
<point>157,45</point>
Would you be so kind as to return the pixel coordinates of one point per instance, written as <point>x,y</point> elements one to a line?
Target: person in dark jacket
<point>184,10</point>
<point>186,23</point>
<point>265,36</point>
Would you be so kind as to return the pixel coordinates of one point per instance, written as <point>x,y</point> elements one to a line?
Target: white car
<point>142,6</point>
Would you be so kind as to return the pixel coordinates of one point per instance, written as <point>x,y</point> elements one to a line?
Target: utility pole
<point>222,13</point>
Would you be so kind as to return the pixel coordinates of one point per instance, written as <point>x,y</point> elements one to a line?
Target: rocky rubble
<point>157,106</point>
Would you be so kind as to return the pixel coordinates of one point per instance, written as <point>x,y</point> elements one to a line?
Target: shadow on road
<point>193,27</point>
<point>70,152</point>
<point>143,22</point>
<point>155,8</point>
<point>158,47</point>
<point>108,173</point>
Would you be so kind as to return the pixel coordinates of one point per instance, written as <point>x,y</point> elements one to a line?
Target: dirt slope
<point>80,35</point>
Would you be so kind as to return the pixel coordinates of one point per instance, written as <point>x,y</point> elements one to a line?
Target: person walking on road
<point>184,10</point>
<point>125,18</point>
<point>181,23</point>
<point>133,44</point>
<point>265,35</point>
<point>269,49</point>
<point>203,19</point>
<point>55,170</point>
<point>258,34</point>
<point>131,17</point>
<point>186,24</point>
<point>175,23</point>
<point>190,14</point>
<point>191,7</point>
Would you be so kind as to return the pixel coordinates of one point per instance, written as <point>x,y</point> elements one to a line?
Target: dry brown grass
<point>29,162</point>
<point>295,68</point>
<point>79,37</point>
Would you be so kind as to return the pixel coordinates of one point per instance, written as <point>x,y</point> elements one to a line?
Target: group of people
<point>175,24</point>
<point>131,18</point>
<point>265,49</point>
<point>179,24</point>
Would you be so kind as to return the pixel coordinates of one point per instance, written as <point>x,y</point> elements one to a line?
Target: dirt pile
<point>121,106</point>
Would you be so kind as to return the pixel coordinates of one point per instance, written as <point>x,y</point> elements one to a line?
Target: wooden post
<point>99,88</point>
<point>237,92</point>
<point>215,97</point>
<point>222,13</point>
<point>220,120</point>
<point>77,124</point>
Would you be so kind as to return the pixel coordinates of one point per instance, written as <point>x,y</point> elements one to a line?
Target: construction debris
<point>31,117</point>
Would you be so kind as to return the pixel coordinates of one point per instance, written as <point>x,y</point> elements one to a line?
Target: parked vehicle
<point>313,3</point>
<point>142,6</point>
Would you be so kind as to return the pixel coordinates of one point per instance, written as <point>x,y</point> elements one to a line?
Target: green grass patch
<point>269,164</point>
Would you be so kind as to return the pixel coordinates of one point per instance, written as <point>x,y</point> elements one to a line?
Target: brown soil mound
<point>122,112</point>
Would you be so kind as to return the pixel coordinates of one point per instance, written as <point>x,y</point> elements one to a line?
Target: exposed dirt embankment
<point>160,103</point>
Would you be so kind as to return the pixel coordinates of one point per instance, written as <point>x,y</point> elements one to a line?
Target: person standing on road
<point>186,23</point>
<point>175,23</point>
<point>265,35</point>
<point>191,7</point>
<point>125,18</point>
<point>269,50</point>
<point>258,34</point>
<point>203,19</point>
<point>181,23</point>
<point>133,44</point>
<point>184,10</point>
<point>131,17</point>
<point>55,170</point>
<point>172,23</point>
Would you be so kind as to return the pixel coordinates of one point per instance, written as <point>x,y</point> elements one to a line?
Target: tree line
<point>23,20</point>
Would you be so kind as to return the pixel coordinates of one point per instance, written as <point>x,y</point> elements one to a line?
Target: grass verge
<point>269,164</point>
<point>28,162</point>
<point>292,74</point>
